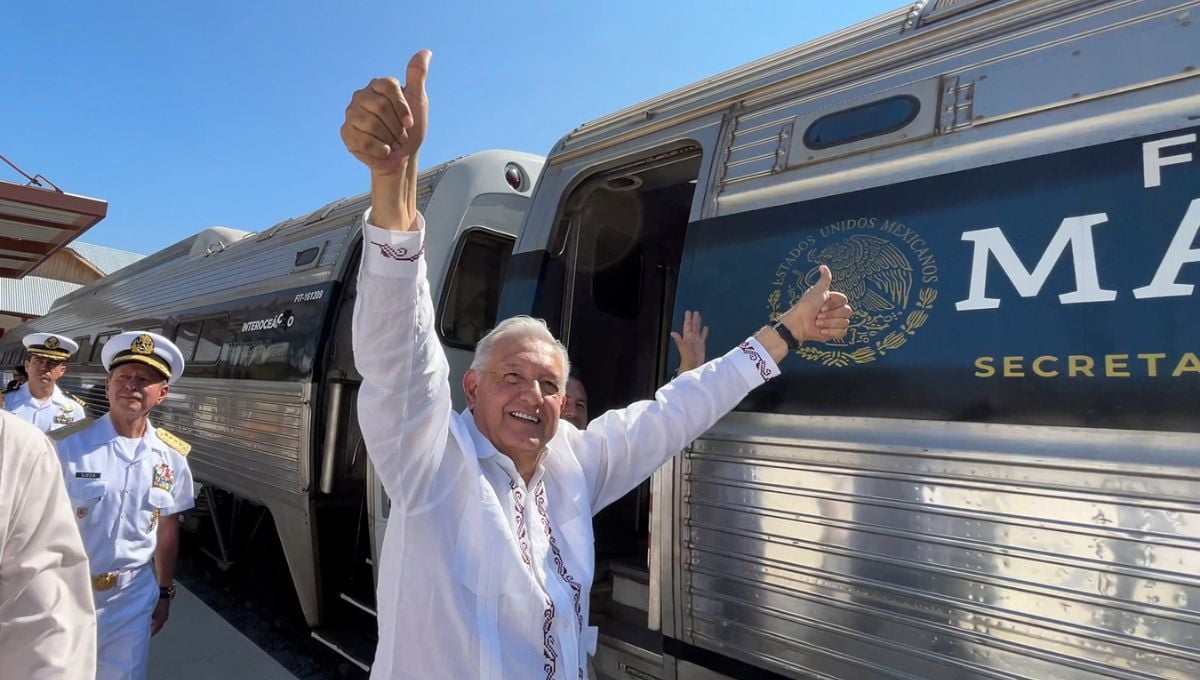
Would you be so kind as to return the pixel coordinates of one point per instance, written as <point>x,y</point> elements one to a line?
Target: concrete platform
<point>197,644</point>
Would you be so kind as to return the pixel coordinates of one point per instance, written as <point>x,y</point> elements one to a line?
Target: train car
<point>997,473</point>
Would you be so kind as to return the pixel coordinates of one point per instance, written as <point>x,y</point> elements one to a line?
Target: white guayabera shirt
<point>47,617</point>
<point>481,574</point>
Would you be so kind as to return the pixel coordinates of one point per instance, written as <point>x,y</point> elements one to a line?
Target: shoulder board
<point>64,432</point>
<point>174,442</point>
<point>11,388</point>
<point>77,400</point>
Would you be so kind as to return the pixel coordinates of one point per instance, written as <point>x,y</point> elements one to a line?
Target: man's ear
<point>471,386</point>
<point>163,395</point>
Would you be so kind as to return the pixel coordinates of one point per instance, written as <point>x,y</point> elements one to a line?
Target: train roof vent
<point>936,10</point>
<point>214,240</point>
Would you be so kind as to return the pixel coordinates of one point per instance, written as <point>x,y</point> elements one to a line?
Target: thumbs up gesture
<point>386,121</point>
<point>820,314</point>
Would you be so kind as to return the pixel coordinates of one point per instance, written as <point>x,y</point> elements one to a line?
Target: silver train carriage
<point>997,473</point>
<point>268,397</point>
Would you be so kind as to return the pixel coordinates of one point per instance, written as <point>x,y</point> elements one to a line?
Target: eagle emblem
<point>881,275</point>
<point>51,343</point>
<point>142,344</point>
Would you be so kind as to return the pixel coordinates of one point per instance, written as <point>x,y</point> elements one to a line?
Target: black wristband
<point>788,339</point>
<point>166,592</point>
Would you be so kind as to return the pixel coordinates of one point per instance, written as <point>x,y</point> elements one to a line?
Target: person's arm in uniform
<point>47,615</point>
<point>404,403</point>
<point>623,447</point>
<point>166,548</point>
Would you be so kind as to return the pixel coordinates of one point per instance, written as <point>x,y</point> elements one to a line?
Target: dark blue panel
<point>276,336</point>
<point>899,251</point>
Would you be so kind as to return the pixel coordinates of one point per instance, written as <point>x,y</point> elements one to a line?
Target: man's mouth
<point>525,417</point>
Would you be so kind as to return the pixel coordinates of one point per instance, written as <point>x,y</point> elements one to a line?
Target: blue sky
<point>188,115</point>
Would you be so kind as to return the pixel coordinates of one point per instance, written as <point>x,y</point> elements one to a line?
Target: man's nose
<point>532,391</point>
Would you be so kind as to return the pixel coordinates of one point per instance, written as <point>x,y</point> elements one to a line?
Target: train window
<point>472,294</point>
<point>209,341</point>
<point>83,342</point>
<point>94,358</point>
<point>862,122</point>
<point>308,257</point>
<point>185,338</point>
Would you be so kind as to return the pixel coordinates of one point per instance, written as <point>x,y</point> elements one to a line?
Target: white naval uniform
<point>47,617</point>
<point>57,411</point>
<point>483,575</point>
<point>116,485</point>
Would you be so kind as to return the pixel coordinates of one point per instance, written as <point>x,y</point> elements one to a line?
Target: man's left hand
<point>158,619</point>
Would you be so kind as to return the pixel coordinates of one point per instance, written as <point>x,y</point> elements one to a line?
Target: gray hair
<point>522,325</point>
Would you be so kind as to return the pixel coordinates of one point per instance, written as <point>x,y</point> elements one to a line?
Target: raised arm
<point>690,341</point>
<point>404,403</point>
<point>623,447</point>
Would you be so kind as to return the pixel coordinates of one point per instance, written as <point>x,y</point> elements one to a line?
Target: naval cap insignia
<point>51,343</point>
<point>142,344</point>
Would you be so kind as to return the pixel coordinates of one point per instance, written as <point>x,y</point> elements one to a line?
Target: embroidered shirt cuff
<point>753,362</point>
<point>392,254</point>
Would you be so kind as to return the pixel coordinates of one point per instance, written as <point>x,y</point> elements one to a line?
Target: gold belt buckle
<point>105,581</point>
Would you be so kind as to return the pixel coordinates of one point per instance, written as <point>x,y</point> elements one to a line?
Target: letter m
<point>1074,231</point>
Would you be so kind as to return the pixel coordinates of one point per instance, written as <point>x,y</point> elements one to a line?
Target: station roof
<point>35,223</point>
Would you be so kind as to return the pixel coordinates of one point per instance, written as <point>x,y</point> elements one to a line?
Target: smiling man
<point>127,482</point>
<point>488,559</point>
<point>39,400</point>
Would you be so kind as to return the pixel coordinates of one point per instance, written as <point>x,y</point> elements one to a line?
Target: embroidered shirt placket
<point>551,649</point>
<point>560,565</point>
<point>549,644</point>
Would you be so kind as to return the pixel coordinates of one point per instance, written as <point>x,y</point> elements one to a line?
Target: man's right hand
<point>385,125</point>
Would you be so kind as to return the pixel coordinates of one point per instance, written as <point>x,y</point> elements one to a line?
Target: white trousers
<point>123,623</point>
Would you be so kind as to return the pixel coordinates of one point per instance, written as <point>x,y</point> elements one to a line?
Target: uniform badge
<point>164,478</point>
<point>142,344</point>
<point>51,343</point>
<point>63,418</point>
<point>81,512</point>
<point>154,518</point>
<point>67,408</point>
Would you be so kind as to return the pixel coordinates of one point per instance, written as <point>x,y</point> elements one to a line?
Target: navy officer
<point>128,481</point>
<point>39,400</point>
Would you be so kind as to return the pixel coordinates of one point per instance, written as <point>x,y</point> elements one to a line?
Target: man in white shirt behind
<point>488,559</point>
<point>47,617</point>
